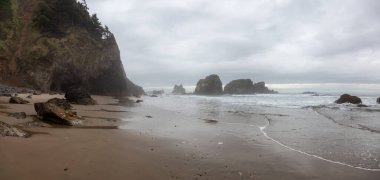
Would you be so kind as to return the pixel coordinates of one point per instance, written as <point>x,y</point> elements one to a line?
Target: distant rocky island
<point>178,89</point>
<point>212,85</point>
<point>52,45</point>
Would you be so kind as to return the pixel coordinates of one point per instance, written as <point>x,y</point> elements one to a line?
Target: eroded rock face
<point>18,100</point>
<point>260,88</point>
<point>78,95</point>
<point>346,98</point>
<point>239,86</point>
<point>178,89</point>
<point>53,63</point>
<point>56,114</point>
<point>8,130</point>
<point>211,85</point>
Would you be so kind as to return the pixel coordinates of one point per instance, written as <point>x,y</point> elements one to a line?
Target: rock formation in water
<point>260,88</point>
<point>346,98</point>
<point>178,89</point>
<point>239,86</point>
<point>51,45</point>
<point>211,85</point>
<point>378,100</point>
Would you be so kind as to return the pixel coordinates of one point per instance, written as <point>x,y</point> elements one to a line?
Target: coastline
<point>169,145</point>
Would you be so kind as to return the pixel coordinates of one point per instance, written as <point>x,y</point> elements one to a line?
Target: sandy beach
<point>144,141</point>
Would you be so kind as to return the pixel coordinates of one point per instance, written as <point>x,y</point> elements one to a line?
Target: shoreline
<point>168,145</point>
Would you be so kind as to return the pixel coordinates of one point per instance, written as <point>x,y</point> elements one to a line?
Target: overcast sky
<point>163,42</point>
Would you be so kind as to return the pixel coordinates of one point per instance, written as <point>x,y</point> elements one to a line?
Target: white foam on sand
<point>262,129</point>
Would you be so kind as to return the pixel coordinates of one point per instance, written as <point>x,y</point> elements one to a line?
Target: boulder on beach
<point>260,88</point>
<point>55,113</point>
<point>60,102</point>
<point>178,89</point>
<point>211,85</point>
<point>8,130</point>
<point>346,98</point>
<point>18,100</point>
<point>78,95</point>
<point>239,86</point>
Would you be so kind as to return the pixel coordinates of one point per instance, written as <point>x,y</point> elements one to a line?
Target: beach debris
<point>18,115</point>
<point>18,100</point>
<point>211,121</point>
<point>8,130</point>
<point>139,101</point>
<point>148,116</point>
<point>346,98</point>
<point>56,114</point>
<point>78,95</point>
<point>60,102</point>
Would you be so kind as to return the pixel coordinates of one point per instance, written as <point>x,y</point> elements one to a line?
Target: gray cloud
<point>163,42</point>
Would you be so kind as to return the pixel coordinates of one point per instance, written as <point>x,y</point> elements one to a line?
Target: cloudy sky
<point>163,42</point>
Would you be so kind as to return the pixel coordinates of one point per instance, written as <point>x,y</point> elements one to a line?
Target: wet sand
<point>154,143</point>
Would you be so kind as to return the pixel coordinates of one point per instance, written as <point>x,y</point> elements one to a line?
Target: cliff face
<point>51,45</point>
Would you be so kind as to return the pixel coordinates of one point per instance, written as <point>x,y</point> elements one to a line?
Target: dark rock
<point>56,114</point>
<point>148,116</point>
<point>60,102</point>
<point>362,105</point>
<point>311,93</point>
<point>378,100</point>
<point>158,92</point>
<point>239,86</point>
<point>260,88</point>
<point>139,101</point>
<point>18,100</point>
<point>18,115</point>
<point>346,98</point>
<point>29,96</point>
<point>211,85</point>
<point>37,93</point>
<point>178,89</point>
<point>8,130</point>
<point>78,95</point>
<point>153,95</point>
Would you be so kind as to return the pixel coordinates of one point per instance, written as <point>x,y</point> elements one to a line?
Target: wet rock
<point>18,100</point>
<point>211,85</point>
<point>18,115</point>
<point>178,89</point>
<point>239,86</point>
<point>8,130</point>
<point>79,95</point>
<point>346,98</point>
<point>362,105</point>
<point>139,101</point>
<point>37,93</point>
<point>260,88</point>
<point>60,102</point>
<point>378,100</point>
<point>29,96</point>
<point>56,114</point>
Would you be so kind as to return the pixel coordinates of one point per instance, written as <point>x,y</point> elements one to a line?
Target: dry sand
<point>182,150</point>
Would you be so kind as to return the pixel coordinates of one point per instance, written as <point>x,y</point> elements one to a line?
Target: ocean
<point>312,125</point>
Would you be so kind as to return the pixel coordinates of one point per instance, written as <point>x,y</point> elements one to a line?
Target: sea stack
<point>239,86</point>
<point>260,88</point>
<point>178,89</point>
<point>211,85</point>
<point>346,98</point>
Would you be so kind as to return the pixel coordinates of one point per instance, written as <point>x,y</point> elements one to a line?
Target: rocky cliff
<point>52,45</point>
